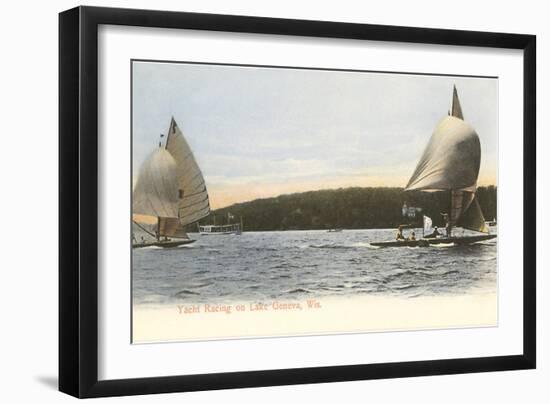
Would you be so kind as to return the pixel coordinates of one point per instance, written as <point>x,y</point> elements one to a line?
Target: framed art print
<point>251,201</point>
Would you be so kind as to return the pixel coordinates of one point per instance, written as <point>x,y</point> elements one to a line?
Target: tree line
<point>345,208</point>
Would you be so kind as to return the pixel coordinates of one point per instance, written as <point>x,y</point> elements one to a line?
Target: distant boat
<point>170,193</point>
<point>219,230</point>
<point>335,229</point>
<point>450,163</point>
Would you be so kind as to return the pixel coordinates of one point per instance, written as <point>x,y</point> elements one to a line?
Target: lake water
<point>260,266</point>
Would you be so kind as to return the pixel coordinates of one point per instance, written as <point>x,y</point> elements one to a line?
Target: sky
<point>258,132</point>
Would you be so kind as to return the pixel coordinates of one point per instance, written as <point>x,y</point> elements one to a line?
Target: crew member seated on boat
<point>433,234</point>
<point>447,223</point>
<point>399,235</point>
<point>412,236</point>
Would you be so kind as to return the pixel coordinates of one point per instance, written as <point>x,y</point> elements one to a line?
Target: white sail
<point>473,219</point>
<point>460,201</point>
<point>155,194</point>
<point>192,196</point>
<point>168,226</point>
<point>456,109</point>
<point>451,163</point>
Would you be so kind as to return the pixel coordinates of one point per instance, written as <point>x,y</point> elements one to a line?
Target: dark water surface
<point>260,266</point>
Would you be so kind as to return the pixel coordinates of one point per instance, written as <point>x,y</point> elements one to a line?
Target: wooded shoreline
<point>345,208</point>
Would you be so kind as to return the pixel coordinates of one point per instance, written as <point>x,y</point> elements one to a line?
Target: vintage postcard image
<point>279,201</point>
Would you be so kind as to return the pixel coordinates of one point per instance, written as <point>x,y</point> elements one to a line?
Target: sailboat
<point>170,193</point>
<point>450,163</point>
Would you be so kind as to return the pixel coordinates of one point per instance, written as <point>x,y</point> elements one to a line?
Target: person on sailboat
<point>399,235</point>
<point>412,236</point>
<point>447,220</point>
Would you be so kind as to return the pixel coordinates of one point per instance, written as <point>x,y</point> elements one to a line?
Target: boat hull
<point>219,233</point>
<point>426,242</point>
<point>163,244</point>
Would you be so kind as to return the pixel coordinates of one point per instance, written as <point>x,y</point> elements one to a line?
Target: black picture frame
<point>78,201</point>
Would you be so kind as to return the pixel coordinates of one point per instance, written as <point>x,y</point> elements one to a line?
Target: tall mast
<point>450,215</point>
<point>158,228</point>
